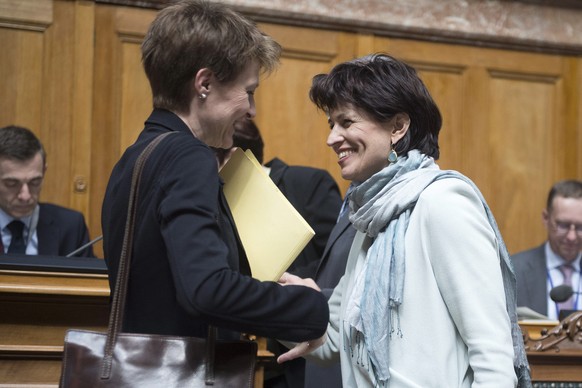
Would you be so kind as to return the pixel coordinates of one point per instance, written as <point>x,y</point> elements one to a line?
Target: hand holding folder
<point>273,233</point>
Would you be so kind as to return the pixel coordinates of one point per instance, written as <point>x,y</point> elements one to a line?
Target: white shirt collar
<point>5,219</point>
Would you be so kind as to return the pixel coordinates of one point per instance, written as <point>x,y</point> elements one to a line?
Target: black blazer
<point>185,266</point>
<point>332,265</point>
<point>60,231</point>
<point>315,195</point>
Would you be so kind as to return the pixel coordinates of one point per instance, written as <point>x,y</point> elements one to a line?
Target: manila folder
<point>272,232</point>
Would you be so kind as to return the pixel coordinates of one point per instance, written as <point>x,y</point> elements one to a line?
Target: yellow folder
<point>272,232</point>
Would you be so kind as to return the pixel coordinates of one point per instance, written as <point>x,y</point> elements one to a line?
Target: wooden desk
<point>36,309</point>
<point>555,353</point>
<point>536,328</point>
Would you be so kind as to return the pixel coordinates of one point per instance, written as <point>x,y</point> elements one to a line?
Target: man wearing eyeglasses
<point>557,261</point>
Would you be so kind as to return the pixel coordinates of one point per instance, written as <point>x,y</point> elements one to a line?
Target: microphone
<point>562,293</point>
<point>82,248</point>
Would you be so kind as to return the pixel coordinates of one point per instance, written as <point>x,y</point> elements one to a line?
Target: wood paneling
<point>82,100</point>
<point>122,98</point>
<point>23,29</point>
<point>47,87</point>
<point>21,72</point>
<point>42,306</point>
<point>504,125</point>
<point>72,73</point>
<point>291,126</point>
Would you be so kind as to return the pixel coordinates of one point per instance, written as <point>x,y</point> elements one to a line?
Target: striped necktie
<point>567,270</point>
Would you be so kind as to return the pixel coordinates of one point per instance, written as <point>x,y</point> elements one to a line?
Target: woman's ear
<point>401,123</point>
<point>202,82</point>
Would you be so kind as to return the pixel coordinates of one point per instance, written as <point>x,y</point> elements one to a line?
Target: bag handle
<point>120,291</point>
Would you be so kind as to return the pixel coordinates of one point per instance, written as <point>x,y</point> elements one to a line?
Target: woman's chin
<point>347,176</point>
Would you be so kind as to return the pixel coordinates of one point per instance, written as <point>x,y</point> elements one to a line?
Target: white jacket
<point>455,327</point>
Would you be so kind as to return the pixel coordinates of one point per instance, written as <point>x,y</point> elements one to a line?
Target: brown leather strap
<point>119,293</point>
<point>209,362</point>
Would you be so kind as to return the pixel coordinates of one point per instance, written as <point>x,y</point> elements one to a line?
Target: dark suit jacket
<point>335,256</point>
<point>60,231</point>
<point>315,195</point>
<point>329,272</point>
<point>531,273</point>
<point>185,262</point>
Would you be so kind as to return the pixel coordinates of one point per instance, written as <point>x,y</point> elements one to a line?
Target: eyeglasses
<point>563,228</point>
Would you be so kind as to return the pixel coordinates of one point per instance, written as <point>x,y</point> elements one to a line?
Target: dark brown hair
<point>247,137</point>
<point>19,143</point>
<point>383,86</point>
<point>569,188</point>
<point>194,34</point>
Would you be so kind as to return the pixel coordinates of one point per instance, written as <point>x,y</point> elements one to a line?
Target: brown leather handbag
<point>116,359</point>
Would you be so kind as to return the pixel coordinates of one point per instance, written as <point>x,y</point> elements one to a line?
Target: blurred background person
<point>28,226</point>
<point>330,269</point>
<point>315,195</point>
<point>188,267</point>
<point>428,296</point>
<point>312,191</point>
<point>557,260</point>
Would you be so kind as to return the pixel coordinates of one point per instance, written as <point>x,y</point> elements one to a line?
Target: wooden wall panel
<point>122,98</point>
<point>521,158</point>
<point>81,110</point>
<point>72,72</point>
<point>446,84</point>
<point>572,113</point>
<point>291,126</point>
<point>136,96</point>
<point>23,27</point>
<point>504,116</point>
<point>21,74</point>
<point>47,81</point>
<point>57,104</point>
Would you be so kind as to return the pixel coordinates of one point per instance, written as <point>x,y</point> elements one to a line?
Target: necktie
<point>567,271</point>
<point>17,242</point>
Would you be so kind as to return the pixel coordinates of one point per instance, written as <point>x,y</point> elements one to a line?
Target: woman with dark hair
<point>188,267</point>
<point>428,298</point>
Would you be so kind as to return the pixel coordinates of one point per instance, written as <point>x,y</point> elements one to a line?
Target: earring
<point>203,96</point>
<point>392,156</point>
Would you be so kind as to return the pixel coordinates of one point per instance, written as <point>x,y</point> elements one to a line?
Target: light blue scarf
<point>381,207</point>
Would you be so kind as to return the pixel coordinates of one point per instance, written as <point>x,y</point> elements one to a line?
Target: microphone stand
<point>82,248</point>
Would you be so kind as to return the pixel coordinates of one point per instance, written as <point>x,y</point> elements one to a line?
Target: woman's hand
<point>301,349</point>
<point>289,279</point>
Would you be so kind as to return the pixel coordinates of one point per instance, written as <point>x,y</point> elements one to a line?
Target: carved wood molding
<point>525,25</point>
<point>36,16</point>
<point>565,339</point>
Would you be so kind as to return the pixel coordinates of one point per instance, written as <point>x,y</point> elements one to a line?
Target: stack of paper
<point>273,233</point>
